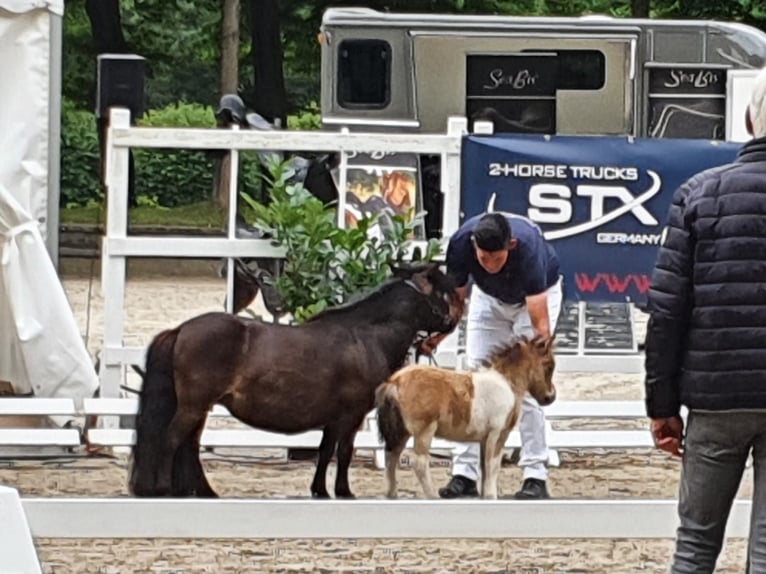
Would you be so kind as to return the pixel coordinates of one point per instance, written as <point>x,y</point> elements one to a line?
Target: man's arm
<point>458,252</point>
<point>669,300</point>
<point>537,306</point>
<point>534,270</point>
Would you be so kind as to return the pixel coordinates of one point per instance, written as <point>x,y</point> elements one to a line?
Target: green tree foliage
<point>751,12</point>
<point>180,39</point>
<point>79,61</point>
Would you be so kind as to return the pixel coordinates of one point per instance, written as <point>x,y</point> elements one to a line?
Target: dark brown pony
<point>287,379</point>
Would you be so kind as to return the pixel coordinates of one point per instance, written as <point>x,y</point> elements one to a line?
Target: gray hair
<point>757,107</point>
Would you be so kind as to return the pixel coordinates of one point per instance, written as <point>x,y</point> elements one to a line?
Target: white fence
<point>118,246</point>
<point>92,518</point>
<point>229,518</point>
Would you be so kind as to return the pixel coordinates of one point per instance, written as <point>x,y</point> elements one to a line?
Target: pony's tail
<point>156,407</point>
<point>391,428</point>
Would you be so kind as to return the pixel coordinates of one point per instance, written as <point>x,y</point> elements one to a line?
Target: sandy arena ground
<point>154,303</point>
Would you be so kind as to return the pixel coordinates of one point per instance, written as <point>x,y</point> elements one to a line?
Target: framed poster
<point>385,185</point>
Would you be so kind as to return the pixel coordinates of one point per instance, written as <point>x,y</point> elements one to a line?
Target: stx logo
<point>554,203</point>
<point>587,283</point>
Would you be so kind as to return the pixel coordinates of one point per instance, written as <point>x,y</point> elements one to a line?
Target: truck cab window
<point>581,69</point>
<point>364,74</point>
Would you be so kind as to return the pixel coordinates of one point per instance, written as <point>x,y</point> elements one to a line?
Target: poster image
<point>385,186</point>
<point>375,191</point>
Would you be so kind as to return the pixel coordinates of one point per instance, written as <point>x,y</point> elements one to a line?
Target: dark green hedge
<point>166,177</point>
<point>80,168</point>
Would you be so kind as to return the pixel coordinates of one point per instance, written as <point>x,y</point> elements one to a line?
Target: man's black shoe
<point>532,489</point>
<point>458,487</point>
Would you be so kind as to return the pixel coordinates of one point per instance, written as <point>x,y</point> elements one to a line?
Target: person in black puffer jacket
<point>706,346</point>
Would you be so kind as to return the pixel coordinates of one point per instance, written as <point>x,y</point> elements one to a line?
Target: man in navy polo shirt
<point>516,290</point>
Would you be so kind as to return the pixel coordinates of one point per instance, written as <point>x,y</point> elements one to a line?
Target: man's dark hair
<point>492,232</point>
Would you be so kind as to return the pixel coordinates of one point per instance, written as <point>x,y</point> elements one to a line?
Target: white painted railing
<point>363,518</point>
<point>366,438</point>
<point>124,518</point>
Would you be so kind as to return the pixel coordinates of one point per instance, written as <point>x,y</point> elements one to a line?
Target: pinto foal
<point>481,406</point>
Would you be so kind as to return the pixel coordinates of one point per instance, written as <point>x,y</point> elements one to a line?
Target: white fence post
<point>456,128</point>
<point>114,266</point>
<point>342,184</point>
<point>17,549</point>
<point>232,227</point>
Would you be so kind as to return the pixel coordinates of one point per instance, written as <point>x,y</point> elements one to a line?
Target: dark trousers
<point>717,446</point>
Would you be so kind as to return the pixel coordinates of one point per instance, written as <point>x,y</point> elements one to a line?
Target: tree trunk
<point>106,29</point>
<point>230,47</point>
<point>106,26</point>
<point>270,99</point>
<point>229,85</point>
<point>640,8</point>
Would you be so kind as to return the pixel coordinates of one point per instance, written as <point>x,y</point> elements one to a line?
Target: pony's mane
<point>368,296</point>
<point>501,352</point>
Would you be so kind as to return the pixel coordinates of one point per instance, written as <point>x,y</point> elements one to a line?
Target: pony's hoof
<point>346,495</point>
<point>320,495</point>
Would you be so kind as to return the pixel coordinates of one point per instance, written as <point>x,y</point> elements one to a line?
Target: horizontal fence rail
<point>126,136</point>
<point>367,438</point>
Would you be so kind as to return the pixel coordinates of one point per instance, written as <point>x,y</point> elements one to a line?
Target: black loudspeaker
<point>120,82</point>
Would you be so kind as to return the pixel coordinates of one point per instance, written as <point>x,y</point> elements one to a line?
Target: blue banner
<point>601,201</point>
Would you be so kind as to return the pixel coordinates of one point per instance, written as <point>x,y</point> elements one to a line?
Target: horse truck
<point>594,123</point>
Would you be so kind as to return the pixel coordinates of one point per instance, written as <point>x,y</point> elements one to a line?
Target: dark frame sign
<point>685,80</point>
<point>517,75</point>
<point>685,101</point>
<point>516,91</point>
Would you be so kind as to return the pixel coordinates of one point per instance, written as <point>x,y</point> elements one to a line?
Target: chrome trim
<point>351,121</point>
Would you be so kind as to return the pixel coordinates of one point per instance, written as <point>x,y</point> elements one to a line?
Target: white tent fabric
<point>25,103</point>
<point>41,349</point>
<point>21,6</point>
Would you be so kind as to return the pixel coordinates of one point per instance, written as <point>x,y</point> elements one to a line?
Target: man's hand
<point>668,434</point>
<point>429,344</point>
